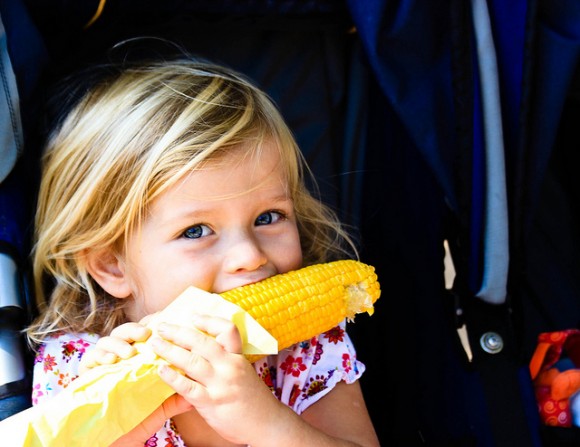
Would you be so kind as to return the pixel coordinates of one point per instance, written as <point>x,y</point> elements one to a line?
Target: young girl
<point>180,173</point>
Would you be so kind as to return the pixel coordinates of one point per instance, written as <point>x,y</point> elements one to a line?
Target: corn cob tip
<point>358,300</point>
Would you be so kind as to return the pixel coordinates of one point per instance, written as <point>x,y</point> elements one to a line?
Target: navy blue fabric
<point>548,245</point>
<point>408,47</point>
<point>28,57</point>
<point>558,50</point>
<point>414,377</point>
<point>25,46</point>
<point>17,191</point>
<point>14,214</point>
<point>509,29</point>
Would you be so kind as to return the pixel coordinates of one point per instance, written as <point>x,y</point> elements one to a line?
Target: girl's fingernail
<point>167,372</point>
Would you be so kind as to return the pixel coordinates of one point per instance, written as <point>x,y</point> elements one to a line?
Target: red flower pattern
<point>48,363</point>
<point>294,394</point>
<point>335,335</point>
<point>72,348</point>
<point>293,366</point>
<point>346,363</point>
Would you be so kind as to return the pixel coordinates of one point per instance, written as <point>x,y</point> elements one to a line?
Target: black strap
<point>502,374</point>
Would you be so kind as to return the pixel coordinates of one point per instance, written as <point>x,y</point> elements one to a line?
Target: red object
<point>552,387</point>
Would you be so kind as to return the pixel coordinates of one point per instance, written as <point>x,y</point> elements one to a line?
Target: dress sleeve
<point>56,364</point>
<point>300,375</point>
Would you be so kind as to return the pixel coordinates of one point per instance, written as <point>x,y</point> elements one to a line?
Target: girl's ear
<point>109,272</point>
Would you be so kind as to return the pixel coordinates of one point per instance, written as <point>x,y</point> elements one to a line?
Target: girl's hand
<point>118,345</point>
<point>219,382</point>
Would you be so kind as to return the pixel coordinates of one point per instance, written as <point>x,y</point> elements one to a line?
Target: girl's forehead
<point>237,172</point>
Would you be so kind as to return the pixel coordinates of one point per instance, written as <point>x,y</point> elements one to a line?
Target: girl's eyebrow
<point>281,198</point>
<point>187,213</point>
<point>204,209</point>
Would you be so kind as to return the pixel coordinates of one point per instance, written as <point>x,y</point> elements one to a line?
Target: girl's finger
<point>191,363</point>
<point>191,390</point>
<point>190,339</point>
<point>117,346</point>
<point>131,332</point>
<point>96,357</point>
<point>225,332</point>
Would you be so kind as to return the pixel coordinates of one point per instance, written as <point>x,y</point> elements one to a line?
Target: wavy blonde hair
<point>131,137</point>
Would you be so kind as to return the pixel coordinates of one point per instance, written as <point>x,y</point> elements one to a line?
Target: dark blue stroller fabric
<point>22,58</point>
<point>429,189</point>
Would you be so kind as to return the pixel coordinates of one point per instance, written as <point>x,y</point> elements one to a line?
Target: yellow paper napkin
<point>110,400</point>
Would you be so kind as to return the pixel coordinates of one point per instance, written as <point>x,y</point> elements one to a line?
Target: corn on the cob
<point>298,305</point>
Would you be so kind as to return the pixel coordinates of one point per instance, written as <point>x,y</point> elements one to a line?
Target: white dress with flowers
<point>298,376</point>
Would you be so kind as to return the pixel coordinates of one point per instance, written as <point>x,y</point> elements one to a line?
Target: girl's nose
<point>244,254</point>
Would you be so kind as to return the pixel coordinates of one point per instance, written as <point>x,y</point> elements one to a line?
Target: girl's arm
<point>343,414</point>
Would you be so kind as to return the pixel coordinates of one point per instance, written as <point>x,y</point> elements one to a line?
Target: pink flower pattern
<point>297,376</point>
<point>346,363</point>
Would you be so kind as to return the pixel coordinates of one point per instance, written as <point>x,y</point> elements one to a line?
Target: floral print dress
<point>298,376</point>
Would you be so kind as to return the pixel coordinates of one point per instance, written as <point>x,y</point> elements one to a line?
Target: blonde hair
<point>133,135</point>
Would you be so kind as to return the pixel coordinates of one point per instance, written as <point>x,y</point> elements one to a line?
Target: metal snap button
<point>491,342</point>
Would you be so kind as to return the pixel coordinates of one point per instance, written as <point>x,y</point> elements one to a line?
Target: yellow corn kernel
<point>298,305</point>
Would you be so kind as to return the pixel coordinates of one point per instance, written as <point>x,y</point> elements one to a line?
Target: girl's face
<point>219,228</point>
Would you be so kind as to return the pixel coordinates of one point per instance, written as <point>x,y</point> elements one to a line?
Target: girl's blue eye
<point>269,217</point>
<point>196,232</point>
